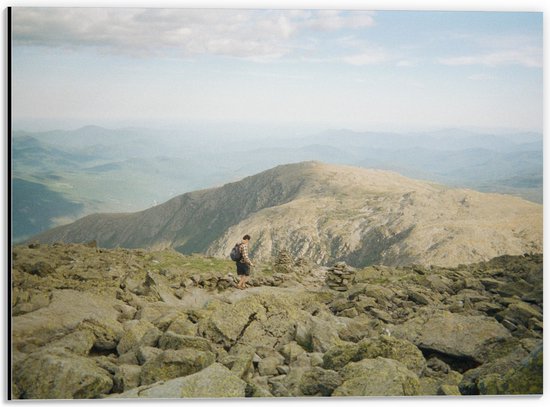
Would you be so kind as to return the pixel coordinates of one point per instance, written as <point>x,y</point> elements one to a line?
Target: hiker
<point>244,264</point>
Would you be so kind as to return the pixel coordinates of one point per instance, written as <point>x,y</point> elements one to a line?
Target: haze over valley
<point>59,176</point>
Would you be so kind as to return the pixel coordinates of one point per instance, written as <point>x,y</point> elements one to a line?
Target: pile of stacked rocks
<point>284,262</point>
<point>340,276</point>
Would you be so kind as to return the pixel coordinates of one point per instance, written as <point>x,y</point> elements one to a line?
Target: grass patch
<point>194,263</point>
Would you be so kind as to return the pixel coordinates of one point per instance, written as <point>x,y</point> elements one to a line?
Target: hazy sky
<point>353,69</point>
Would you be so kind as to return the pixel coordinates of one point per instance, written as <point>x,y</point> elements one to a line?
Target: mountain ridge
<point>322,211</point>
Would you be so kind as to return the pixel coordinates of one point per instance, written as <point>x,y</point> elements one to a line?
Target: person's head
<point>246,238</point>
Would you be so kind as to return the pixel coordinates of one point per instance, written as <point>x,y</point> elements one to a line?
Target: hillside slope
<point>326,212</point>
<point>157,324</point>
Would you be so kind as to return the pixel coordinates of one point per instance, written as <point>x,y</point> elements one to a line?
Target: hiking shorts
<point>243,269</point>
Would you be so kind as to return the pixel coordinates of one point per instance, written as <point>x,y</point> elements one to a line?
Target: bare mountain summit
<point>327,213</point>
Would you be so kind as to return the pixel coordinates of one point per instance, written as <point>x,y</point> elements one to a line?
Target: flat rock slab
<point>216,381</point>
<point>61,375</point>
<point>67,310</point>
<point>452,334</point>
<point>377,377</point>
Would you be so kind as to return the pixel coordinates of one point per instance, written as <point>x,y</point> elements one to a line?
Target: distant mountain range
<point>60,176</point>
<point>327,213</point>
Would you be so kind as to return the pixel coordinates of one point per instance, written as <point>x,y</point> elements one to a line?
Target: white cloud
<point>368,57</point>
<point>499,50</point>
<point>240,33</point>
<point>150,31</point>
<point>332,20</point>
<point>529,57</point>
<point>481,77</point>
<point>407,63</point>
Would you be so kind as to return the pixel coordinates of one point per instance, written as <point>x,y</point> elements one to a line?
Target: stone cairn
<point>340,276</point>
<point>284,262</point>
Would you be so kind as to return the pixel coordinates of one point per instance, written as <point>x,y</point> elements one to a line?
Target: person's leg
<point>240,275</point>
<point>241,282</point>
<point>245,279</point>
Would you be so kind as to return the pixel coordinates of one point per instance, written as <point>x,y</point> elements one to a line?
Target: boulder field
<point>119,323</point>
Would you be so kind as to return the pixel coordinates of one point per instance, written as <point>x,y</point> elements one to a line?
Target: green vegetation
<point>192,263</point>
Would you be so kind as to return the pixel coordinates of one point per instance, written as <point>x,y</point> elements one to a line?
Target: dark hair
<point>246,237</point>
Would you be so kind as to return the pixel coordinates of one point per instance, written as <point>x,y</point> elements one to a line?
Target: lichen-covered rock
<point>319,382</point>
<point>305,360</point>
<point>67,311</point>
<point>175,363</point>
<point>370,348</point>
<point>60,375</point>
<point>28,301</point>
<point>215,381</point>
<point>377,377</point>
<point>107,334</point>
<point>419,297</point>
<point>448,390</point>
<point>278,386</point>
<point>323,333</point>
<point>358,328</point>
<point>258,387</point>
<point>431,385</point>
<point>525,379</point>
<point>520,313</point>
<point>171,340</point>
<point>182,326</point>
<point>340,355</point>
<point>291,351</point>
<point>264,318</point>
<point>78,342</point>
<point>241,361</point>
<point>136,334</point>
<point>160,314</point>
<point>506,355</point>
<point>126,377</point>
<point>268,366</point>
<point>453,334</point>
<point>227,322</point>
<point>145,353</point>
<point>393,348</point>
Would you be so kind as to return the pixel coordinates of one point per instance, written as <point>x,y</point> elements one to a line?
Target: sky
<point>332,68</point>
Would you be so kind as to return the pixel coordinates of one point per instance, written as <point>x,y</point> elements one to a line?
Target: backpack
<point>236,254</point>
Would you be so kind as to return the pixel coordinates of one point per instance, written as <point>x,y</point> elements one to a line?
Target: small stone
<point>509,325</point>
<point>283,369</point>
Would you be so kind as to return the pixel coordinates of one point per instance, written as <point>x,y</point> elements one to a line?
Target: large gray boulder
<point>241,361</point>
<point>227,323</point>
<point>126,377</point>
<point>160,314</point>
<point>369,348</point>
<point>320,332</point>
<point>377,377</point>
<point>174,363</point>
<point>67,311</point>
<point>319,382</point>
<point>79,342</point>
<point>136,334</point>
<point>262,318</point>
<point>461,336</point>
<point>171,340</point>
<point>215,381</point>
<point>527,378</point>
<point>508,373</point>
<point>324,333</point>
<point>57,374</point>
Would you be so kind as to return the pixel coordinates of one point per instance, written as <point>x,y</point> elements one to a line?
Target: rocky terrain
<point>120,323</point>
<point>326,213</point>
